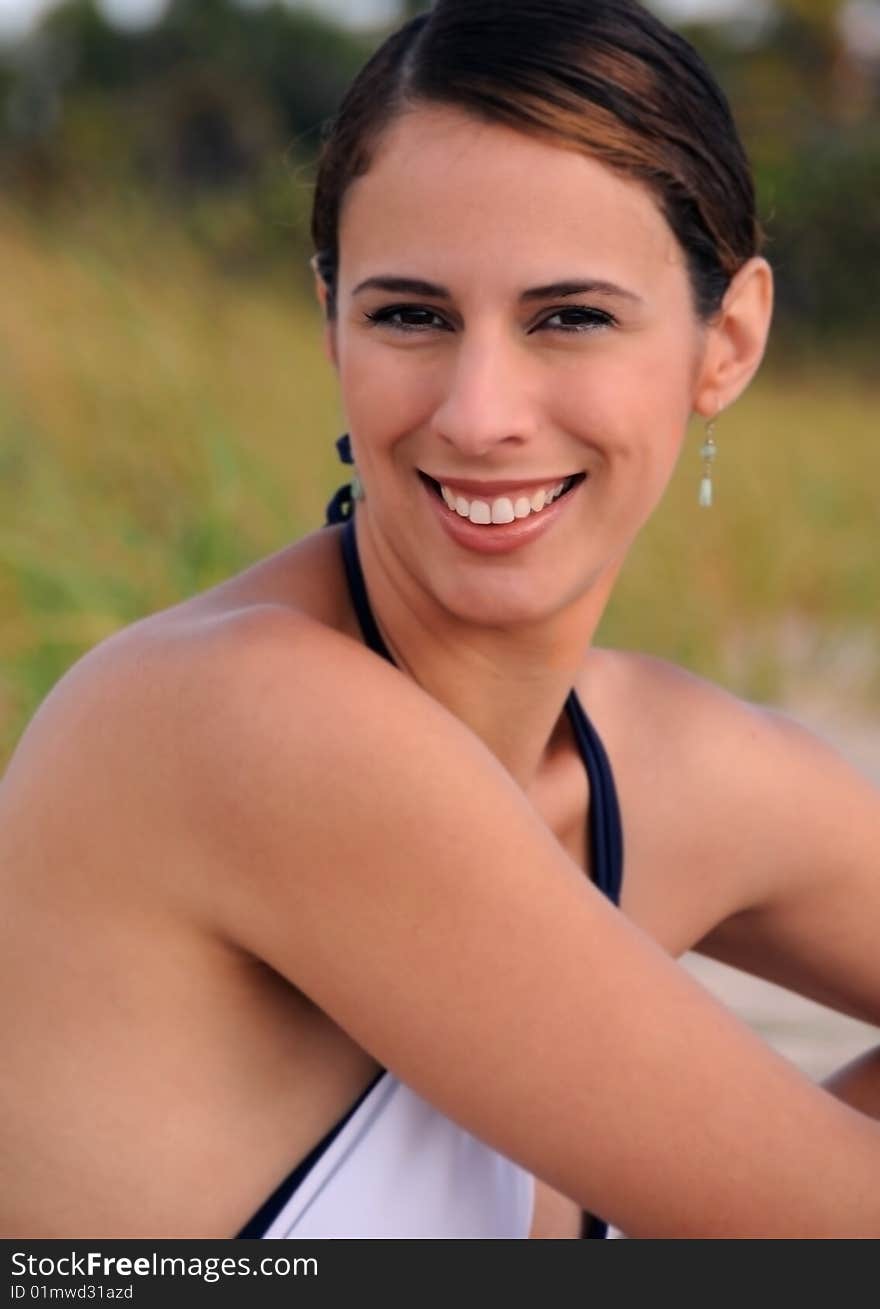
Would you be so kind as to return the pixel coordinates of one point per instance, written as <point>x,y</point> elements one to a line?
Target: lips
<point>490,491</point>
<point>482,531</point>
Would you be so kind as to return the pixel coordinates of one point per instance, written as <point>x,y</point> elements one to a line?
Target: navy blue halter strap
<point>605,829</point>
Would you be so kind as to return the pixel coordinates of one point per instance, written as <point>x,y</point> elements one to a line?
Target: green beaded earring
<point>708,451</point>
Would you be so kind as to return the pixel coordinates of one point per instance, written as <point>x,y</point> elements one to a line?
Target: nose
<point>489,397</point>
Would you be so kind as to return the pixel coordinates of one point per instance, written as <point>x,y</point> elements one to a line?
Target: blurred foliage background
<point>166,416</point>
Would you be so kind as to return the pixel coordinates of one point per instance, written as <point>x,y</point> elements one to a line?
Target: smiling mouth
<point>498,510</point>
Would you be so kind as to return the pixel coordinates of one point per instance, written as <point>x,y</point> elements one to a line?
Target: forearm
<point>858,1083</point>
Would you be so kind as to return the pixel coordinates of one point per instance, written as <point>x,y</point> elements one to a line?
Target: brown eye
<point>407,318</point>
<point>577,318</point>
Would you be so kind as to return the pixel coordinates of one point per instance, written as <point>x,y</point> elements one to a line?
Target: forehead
<point>468,197</point>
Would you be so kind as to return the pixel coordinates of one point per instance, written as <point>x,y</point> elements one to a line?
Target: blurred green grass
<point>163,424</point>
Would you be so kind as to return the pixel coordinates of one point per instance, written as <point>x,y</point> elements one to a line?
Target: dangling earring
<point>343,445</point>
<point>708,451</point>
<point>341,506</point>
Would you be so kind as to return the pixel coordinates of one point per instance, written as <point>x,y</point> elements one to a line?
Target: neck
<point>507,683</point>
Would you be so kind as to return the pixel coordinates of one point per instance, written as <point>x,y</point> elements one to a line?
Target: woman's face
<point>511,314</point>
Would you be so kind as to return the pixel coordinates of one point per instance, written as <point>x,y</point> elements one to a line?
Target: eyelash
<point>598,318</point>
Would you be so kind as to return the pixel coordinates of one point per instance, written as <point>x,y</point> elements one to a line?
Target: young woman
<point>308,879</point>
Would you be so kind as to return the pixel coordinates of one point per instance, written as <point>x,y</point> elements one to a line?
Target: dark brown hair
<point>602,76</point>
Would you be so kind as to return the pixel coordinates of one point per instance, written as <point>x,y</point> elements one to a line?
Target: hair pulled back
<point>602,76</point>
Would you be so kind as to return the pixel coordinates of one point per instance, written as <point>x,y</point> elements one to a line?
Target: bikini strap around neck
<point>358,590</point>
<point>605,826</point>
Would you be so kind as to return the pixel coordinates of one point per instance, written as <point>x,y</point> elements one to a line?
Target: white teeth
<point>503,509</point>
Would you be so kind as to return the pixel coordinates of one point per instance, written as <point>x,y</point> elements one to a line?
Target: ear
<point>735,338</point>
<point>321,291</point>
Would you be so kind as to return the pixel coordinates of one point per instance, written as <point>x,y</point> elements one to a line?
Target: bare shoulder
<point>711,780</point>
<point>205,750</point>
<point>151,675</point>
<point>704,728</point>
<point>667,699</point>
<point>134,687</point>
<point>749,838</point>
<point>137,729</point>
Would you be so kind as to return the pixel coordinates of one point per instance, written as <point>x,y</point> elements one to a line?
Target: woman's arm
<point>334,821</point>
<point>813,913</point>
<point>858,1083</point>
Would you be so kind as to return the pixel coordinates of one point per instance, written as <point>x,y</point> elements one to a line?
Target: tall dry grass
<point>163,425</point>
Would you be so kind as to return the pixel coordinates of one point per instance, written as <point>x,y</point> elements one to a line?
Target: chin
<point>499,601</point>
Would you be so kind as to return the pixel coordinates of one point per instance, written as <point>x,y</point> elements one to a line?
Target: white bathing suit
<point>397,1168</point>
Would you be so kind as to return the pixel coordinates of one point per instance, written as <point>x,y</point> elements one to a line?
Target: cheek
<point>634,415</point>
<point>383,394</point>
<point>663,403</point>
<point>633,405</point>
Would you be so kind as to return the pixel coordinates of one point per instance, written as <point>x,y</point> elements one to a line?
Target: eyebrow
<point>552,291</point>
